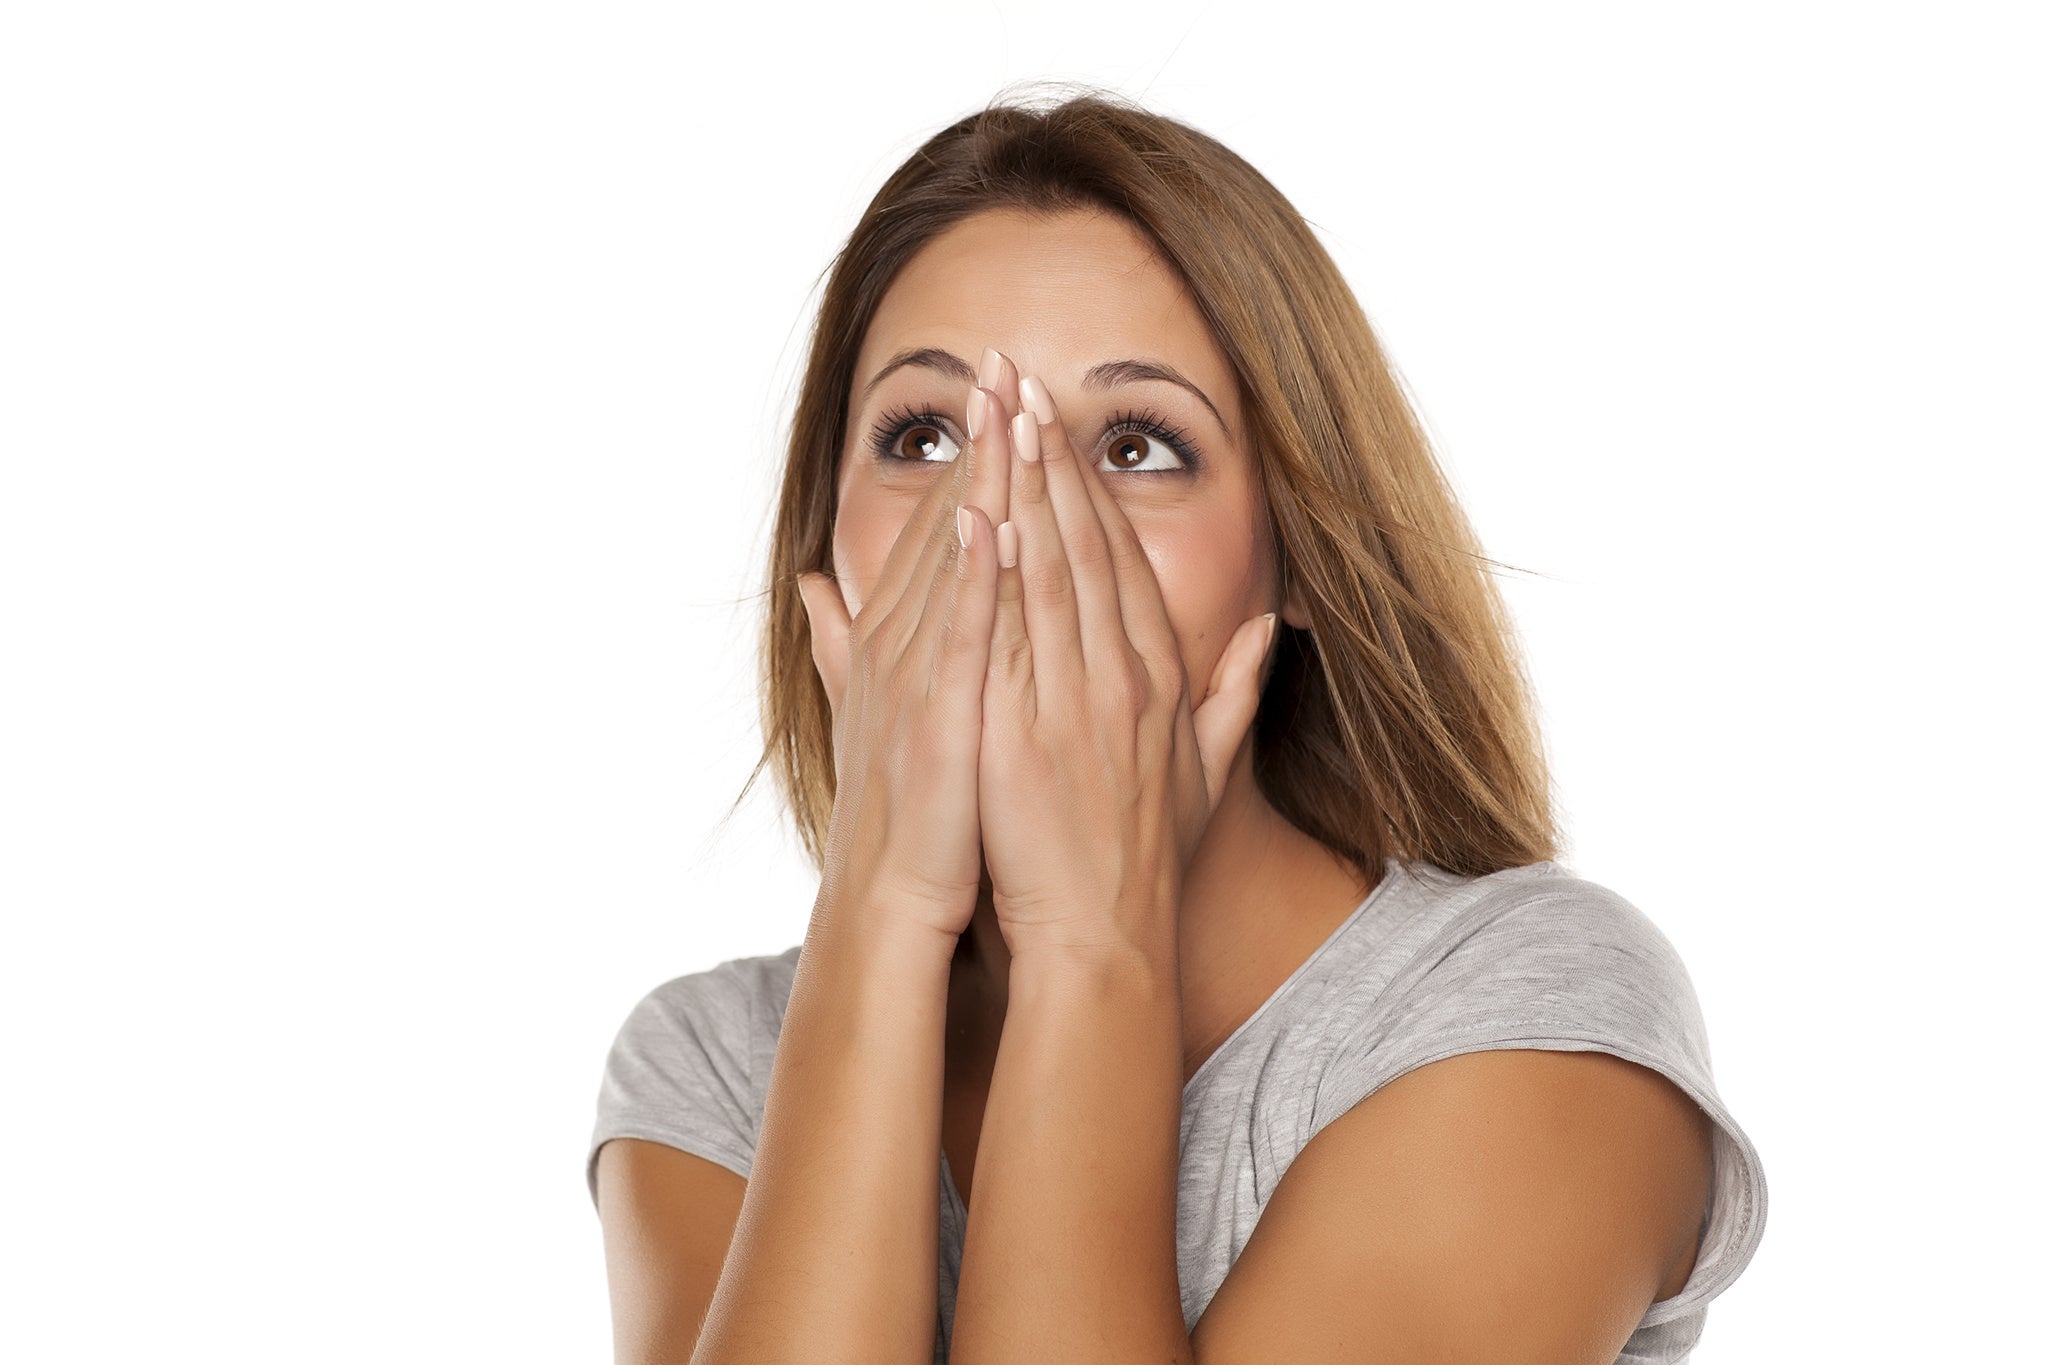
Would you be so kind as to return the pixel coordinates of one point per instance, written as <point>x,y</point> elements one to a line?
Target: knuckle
<point>1169,680</point>
<point>1174,680</point>
<point>1088,550</point>
<point>954,642</point>
<point>1049,583</point>
<point>1010,653</point>
<point>1128,685</point>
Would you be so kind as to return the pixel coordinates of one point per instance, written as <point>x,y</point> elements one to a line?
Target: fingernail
<point>966,525</point>
<point>1036,400</point>
<point>991,367</point>
<point>1272,629</point>
<point>1006,545</point>
<point>977,413</point>
<point>1024,435</point>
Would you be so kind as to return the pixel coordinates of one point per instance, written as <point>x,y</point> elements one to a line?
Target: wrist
<point>1129,951</point>
<point>874,926</point>
<point>1132,934</point>
<point>1097,982</point>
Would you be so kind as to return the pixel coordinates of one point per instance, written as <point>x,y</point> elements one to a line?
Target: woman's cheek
<point>1201,573</point>
<point>864,531</point>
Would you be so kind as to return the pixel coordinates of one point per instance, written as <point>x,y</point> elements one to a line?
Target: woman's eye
<point>1138,442</point>
<point>1127,452</point>
<point>919,443</point>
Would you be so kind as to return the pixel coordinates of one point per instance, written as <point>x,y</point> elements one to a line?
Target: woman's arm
<point>855,1065</point>
<point>835,1255</point>
<point>668,1218</point>
<point>1070,1250</point>
<point>1099,780</point>
<point>1523,1205</point>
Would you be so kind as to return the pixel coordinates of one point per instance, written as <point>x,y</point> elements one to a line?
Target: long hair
<point>1400,723</point>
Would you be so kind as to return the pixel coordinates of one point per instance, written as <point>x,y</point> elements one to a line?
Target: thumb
<point>1225,715</point>
<point>831,627</point>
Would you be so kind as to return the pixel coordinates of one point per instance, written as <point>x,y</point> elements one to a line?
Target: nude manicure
<point>1024,435</point>
<point>1036,400</point>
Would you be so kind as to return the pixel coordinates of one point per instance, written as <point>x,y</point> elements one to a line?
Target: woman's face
<point>1062,296</point>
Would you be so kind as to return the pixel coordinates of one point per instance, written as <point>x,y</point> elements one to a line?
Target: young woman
<point>1191,975</point>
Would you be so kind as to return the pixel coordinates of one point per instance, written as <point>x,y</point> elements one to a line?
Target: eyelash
<point>1144,422</point>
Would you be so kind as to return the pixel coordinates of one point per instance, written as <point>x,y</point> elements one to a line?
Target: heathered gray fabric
<point>1429,965</point>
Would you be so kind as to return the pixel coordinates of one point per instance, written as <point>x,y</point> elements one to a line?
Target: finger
<point>1139,599</point>
<point>1081,535</point>
<point>988,424</point>
<point>981,476</point>
<point>928,530</point>
<point>1009,663</point>
<point>943,547</point>
<point>998,374</point>
<point>950,649</point>
<point>1231,702</point>
<point>1009,647</point>
<point>1050,619</point>
<point>830,624</point>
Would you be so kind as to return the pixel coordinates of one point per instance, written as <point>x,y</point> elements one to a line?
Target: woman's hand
<point>1097,779</point>
<point>905,681</point>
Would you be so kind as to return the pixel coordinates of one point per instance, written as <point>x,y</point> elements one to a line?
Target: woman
<point>1191,975</point>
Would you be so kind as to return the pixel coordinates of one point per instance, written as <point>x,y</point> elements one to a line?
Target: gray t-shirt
<point>1428,966</point>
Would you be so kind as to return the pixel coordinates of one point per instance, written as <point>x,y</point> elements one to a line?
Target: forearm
<point>835,1255</point>
<point>1070,1252</point>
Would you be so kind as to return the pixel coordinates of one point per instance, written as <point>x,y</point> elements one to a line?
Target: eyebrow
<point>1108,375</point>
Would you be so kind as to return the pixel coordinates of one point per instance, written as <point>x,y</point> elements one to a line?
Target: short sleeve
<point>1565,964</point>
<point>682,1073</point>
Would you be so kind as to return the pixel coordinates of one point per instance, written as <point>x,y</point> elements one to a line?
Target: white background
<point>391,396</point>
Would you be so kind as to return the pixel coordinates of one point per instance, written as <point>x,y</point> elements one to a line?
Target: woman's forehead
<point>1060,295</point>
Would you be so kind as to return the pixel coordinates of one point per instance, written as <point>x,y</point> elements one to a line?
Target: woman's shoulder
<point>1422,926</point>
<point>690,1064</point>
<point>714,1022</point>
<point>1543,913</point>
<point>740,993</point>
<point>1546,945</point>
<point>1541,957</point>
<point>1551,901</point>
<point>1531,956</point>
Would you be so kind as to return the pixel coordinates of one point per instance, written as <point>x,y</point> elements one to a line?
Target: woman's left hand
<point>1097,777</point>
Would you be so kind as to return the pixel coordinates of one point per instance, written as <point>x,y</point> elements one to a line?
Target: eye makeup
<point>886,439</point>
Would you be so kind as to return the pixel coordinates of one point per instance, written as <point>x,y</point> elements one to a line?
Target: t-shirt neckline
<point>1388,873</point>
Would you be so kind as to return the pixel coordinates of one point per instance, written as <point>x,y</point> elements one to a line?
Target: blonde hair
<point>1401,722</point>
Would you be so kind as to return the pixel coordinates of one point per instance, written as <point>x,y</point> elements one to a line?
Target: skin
<point>1053,296</point>
<point>1506,1204</point>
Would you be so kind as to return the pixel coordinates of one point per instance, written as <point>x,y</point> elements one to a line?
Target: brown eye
<point>1129,450</point>
<point>918,443</point>
<point>913,439</point>
<point>1126,452</point>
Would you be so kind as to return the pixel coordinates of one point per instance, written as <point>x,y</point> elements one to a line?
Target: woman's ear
<point>1294,611</point>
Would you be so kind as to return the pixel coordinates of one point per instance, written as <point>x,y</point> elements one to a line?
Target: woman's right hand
<point>905,680</point>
